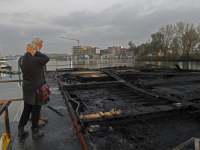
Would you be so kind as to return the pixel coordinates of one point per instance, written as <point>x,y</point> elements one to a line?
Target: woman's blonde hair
<point>32,45</point>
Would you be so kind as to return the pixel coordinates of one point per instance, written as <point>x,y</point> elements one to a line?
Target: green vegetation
<point>59,57</point>
<point>176,42</point>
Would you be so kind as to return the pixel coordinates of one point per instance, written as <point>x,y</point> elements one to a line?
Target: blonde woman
<point>33,61</point>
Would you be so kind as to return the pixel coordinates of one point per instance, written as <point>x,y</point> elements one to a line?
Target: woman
<point>33,62</point>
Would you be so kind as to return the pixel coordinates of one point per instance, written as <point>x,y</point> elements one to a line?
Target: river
<point>13,90</point>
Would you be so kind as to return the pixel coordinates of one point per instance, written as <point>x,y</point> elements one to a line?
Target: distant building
<point>79,50</point>
<point>180,51</point>
<point>149,54</point>
<point>160,53</point>
<point>95,51</point>
<point>88,50</point>
<point>123,51</point>
<point>118,50</point>
<point>169,51</point>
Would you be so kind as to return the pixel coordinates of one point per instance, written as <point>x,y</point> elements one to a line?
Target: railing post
<point>70,61</point>
<point>109,60</point>
<point>133,61</point>
<point>56,64</point>
<point>96,63</point>
<point>7,124</point>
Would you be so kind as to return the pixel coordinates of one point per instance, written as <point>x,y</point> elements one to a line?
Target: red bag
<point>44,91</point>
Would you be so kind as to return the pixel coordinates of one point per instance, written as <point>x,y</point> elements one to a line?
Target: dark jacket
<point>34,66</point>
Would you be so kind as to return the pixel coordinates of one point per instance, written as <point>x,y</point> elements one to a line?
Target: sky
<point>97,23</point>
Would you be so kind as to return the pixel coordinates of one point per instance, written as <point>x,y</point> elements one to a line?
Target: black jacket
<point>34,66</point>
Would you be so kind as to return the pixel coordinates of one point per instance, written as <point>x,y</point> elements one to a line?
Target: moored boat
<point>5,65</point>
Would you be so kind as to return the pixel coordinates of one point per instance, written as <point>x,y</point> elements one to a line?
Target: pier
<point>6,71</point>
<point>148,107</point>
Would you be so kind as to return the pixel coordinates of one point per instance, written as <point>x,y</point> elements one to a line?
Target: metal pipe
<point>66,93</point>
<point>3,101</point>
<point>56,60</point>
<point>10,81</point>
<point>3,107</point>
<point>55,110</point>
<point>74,120</point>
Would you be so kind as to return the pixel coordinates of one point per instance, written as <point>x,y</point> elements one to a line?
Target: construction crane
<point>71,39</point>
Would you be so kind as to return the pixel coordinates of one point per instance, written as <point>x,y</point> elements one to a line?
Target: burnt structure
<point>122,108</point>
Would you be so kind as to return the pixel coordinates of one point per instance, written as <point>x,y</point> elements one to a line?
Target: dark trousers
<point>34,110</point>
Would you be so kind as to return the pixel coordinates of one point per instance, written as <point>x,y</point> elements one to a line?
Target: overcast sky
<point>98,23</point>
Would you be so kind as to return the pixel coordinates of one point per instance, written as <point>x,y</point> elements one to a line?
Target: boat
<point>5,65</point>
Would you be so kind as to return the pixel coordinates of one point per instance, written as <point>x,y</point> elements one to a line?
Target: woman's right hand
<point>31,51</point>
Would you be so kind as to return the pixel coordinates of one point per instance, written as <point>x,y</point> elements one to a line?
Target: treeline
<point>170,40</point>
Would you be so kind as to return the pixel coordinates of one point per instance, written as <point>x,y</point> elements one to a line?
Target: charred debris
<point>148,107</point>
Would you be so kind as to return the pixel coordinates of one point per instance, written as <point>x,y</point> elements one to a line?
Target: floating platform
<point>6,71</point>
<point>119,108</point>
<point>146,107</point>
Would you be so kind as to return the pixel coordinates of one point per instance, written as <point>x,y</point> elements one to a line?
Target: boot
<point>41,123</point>
<point>21,131</point>
<point>37,133</point>
<point>43,119</point>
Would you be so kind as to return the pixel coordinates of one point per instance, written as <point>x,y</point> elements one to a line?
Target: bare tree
<point>168,31</point>
<point>187,35</point>
<point>175,44</point>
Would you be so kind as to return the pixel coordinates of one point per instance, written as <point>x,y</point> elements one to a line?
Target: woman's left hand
<point>31,51</point>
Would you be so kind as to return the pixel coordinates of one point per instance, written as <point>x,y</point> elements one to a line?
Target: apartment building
<point>79,50</point>
<point>95,51</point>
<point>89,50</point>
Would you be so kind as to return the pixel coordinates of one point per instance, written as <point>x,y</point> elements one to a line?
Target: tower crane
<point>71,39</point>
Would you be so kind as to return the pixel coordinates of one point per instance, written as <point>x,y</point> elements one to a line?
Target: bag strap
<point>28,74</point>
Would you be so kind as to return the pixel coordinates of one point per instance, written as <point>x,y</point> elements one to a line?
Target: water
<point>10,90</point>
<point>13,90</point>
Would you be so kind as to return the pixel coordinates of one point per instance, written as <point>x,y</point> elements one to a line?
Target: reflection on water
<point>2,75</point>
<point>100,63</point>
<point>131,63</point>
<point>9,90</point>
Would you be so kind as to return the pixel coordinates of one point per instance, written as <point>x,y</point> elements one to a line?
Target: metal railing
<point>6,136</point>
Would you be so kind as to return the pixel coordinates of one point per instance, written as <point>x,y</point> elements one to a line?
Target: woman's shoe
<point>43,119</point>
<point>37,133</point>
<point>41,123</point>
<point>21,132</point>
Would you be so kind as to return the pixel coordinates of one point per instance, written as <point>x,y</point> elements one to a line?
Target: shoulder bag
<point>43,91</point>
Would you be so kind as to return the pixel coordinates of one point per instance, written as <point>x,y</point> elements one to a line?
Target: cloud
<point>112,26</point>
<point>117,24</point>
